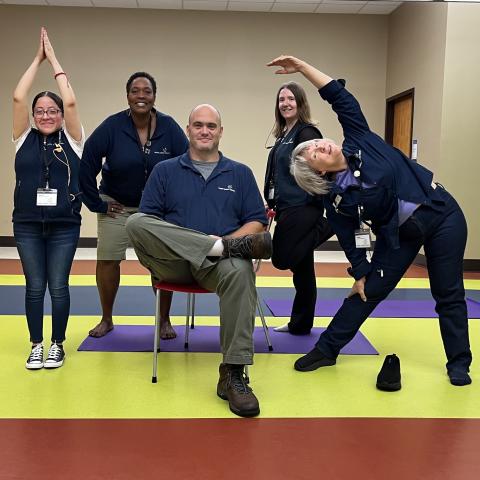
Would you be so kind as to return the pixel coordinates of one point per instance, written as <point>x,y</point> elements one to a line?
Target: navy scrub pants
<point>299,230</point>
<point>443,234</point>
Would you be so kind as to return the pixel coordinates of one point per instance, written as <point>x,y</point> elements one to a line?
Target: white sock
<point>216,250</point>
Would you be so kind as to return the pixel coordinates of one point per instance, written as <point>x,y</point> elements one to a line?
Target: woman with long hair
<point>300,224</point>
<point>46,215</point>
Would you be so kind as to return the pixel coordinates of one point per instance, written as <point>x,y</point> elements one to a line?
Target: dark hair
<point>303,108</point>
<point>51,95</point>
<point>142,75</point>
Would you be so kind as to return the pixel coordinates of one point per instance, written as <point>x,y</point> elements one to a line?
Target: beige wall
<point>460,150</point>
<point>196,57</point>
<point>434,48</point>
<point>416,59</point>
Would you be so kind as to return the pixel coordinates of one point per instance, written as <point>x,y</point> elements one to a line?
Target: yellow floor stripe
<point>117,385</point>
<point>322,282</point>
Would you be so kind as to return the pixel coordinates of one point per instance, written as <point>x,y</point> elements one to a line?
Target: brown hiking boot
<point>232,386</point>
<point>256,245</point>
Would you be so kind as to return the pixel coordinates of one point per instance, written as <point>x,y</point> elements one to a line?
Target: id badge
<point>271,193</point>
<point>46,197</point>
<point>362,238</point>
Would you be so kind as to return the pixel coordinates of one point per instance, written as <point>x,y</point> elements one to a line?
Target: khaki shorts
<point>112,235</point>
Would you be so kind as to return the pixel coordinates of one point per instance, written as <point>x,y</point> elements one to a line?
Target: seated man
<point>201,219</point>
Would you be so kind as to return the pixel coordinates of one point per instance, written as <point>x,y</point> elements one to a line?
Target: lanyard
<point>145,149</point>
<point>46,161</point>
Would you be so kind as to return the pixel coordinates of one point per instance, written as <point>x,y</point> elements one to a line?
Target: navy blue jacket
<point>126,167</point>
<point>177,193</point>
<point>287,192</point>
<point>30,171</point>
<point>391,173</point>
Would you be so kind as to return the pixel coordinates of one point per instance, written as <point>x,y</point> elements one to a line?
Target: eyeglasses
<point>51,112</point>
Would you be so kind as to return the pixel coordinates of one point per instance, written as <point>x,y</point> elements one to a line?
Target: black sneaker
<point>56,356</point>
<point>256,245</point>
<point>313,360</point>
<point>35,359</point>
<point>459,378</point>
<point>389,378</point>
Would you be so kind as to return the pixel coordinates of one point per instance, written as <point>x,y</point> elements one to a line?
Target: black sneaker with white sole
<point>35,359</point>
<point>56,356</point>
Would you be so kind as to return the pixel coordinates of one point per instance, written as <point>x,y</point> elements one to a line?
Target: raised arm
<point>70,115</point>
<point>291,64</point>
<point>20,94</point>
<point>343,102</point>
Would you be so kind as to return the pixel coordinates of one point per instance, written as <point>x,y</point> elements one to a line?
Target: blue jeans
<point>46,252</point>
<point>443,234</point>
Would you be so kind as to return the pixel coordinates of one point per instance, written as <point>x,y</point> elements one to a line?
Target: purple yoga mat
<point>139,338</point>
<point>387,308</point>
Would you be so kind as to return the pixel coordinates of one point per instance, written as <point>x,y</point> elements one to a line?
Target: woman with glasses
<point>370,184</point>
<point>300,225</point>
<point>46,215</point>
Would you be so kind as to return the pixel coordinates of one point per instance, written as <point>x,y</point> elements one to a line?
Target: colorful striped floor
<point>100,417</point>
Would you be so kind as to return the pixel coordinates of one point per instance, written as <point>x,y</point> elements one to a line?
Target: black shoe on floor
<point>313,360</point>
<point>459,378</point>
<point>256,245</point>
<point>389,378</point>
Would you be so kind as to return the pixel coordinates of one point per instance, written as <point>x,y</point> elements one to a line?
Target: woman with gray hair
<point>370,184</point>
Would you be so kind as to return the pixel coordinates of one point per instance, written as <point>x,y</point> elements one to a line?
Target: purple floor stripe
<point>388,308</point>
<point>139,338</point>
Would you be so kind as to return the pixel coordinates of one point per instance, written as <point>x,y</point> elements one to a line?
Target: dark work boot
<point>256,245</point>
<point>232,386</point>
<point>389,377</point>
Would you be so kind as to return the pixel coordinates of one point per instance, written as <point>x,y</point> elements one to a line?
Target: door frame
<point>389,115</point>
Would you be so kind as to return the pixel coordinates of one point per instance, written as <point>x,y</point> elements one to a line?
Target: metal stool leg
<point>192,323</point>
<point>264,323</point>
<point>187,322</point>
<point>156,339</point>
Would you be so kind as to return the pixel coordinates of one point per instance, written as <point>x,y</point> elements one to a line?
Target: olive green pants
<point>179,255</point>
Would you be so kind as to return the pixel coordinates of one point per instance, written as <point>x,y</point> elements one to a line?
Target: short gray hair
<point>308,179</point>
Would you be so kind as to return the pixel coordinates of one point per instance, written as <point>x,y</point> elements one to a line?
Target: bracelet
<point>58,74</point>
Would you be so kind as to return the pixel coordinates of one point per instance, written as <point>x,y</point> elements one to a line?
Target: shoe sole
<point>389,387</point>
<point>240,413</point>
<point>314,365</point>
<point>37,366</point>
<point>53,364</point>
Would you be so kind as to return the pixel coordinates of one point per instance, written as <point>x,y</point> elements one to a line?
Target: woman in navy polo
<point>300,224</point>
<point>370,184</point>
<point>46,215</point>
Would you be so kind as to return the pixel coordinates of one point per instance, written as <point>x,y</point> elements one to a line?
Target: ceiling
<point>297,6</point>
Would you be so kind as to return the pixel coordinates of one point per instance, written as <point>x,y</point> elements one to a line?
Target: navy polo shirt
<point>177,193</point>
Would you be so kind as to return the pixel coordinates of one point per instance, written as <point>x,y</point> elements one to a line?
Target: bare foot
<point>101,329</point>
<point>166,330</point>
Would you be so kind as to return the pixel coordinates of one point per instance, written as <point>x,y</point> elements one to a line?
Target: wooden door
<point>399,121</point>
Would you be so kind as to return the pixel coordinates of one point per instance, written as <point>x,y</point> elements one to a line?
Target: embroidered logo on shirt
<point>164,151</point>
<point>228,189</point>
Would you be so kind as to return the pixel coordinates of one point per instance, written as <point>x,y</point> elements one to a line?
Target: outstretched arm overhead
<point>291,64</point>
<point>20,94</point>
<point>70,115</point>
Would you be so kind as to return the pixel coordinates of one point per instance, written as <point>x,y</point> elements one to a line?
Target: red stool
<point>190,290</point>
